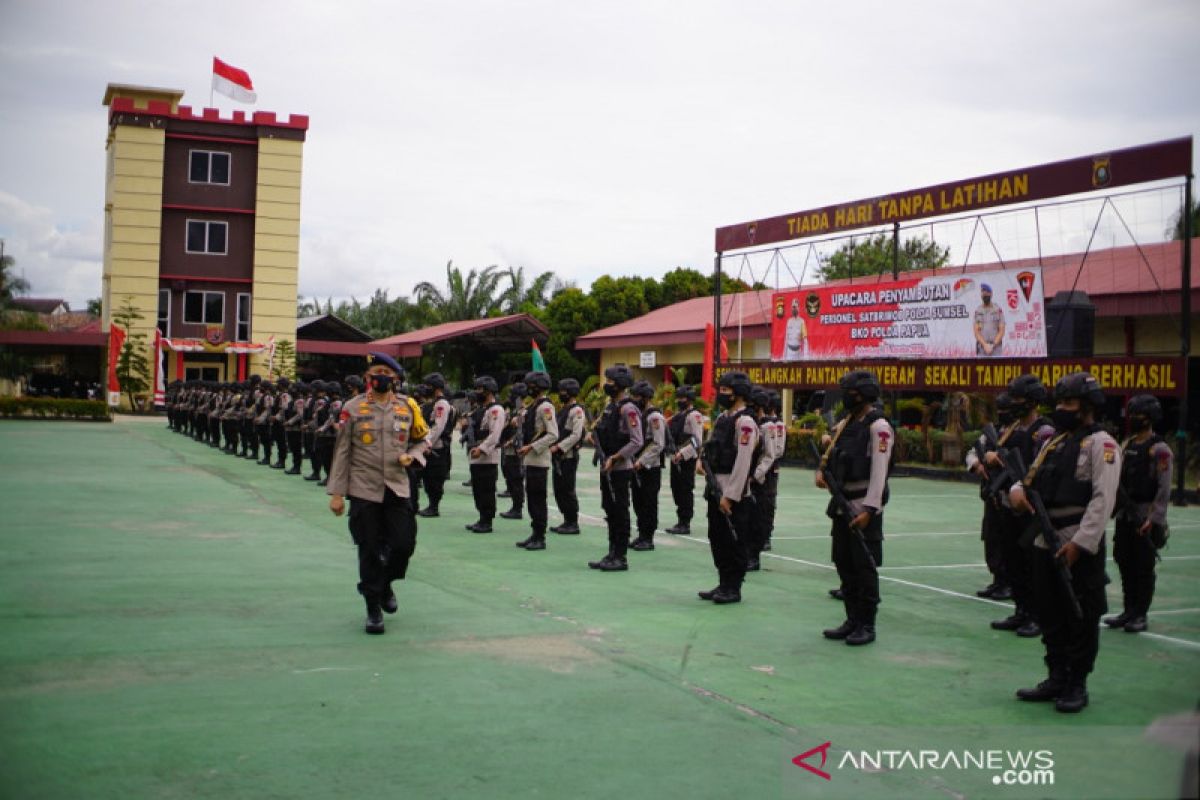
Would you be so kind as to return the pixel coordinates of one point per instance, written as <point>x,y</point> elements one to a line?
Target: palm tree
<point>11,285</point>
<point>1176,230</point>
<point>472,297</point>
<point>519,297</point>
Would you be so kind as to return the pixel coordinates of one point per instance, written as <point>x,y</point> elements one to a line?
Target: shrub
<point>54,408</point>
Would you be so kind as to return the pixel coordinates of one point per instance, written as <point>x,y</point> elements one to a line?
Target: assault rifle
<point>712,490</point>
<point>840,502</point>
<point>1047,529</point>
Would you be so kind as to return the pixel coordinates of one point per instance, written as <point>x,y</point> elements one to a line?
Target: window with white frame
<point>243,317</point>
<point>207,236</point>
<point>204,308</point>
<point>208,166</point>
<point>164,311</point>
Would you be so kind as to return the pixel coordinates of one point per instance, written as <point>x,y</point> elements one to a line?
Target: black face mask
<point>1065,420</point>
<point>381,384</point>
<point>611,389</point>
<point>1004,417</point>
<point>1139,423</point>
<point>853,401</point>
<point>563,396</point>
<point>725,401</point>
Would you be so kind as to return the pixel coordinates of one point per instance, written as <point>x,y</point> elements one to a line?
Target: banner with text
<point>979,315</point>
<point>1161,376</point>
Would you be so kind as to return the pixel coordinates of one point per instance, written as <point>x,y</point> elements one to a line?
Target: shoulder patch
<point>1164,459</point>
<point>437,412</point>
<point>885,440</point>
<point>495,412</point>
<point>345,415</point>
<point>745,440</point>
<point>634,417</point>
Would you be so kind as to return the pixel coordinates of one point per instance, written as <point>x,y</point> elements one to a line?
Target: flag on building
<point>539,363</point>
<point>708,391</point>
<point>232,82</point>
<point>116,340</point>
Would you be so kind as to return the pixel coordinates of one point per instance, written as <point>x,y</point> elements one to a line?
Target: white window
<point>243,318</point>
<point>204,308</point>
<point>207,166</point>
<point>207,236</point>
<point>164,311</point>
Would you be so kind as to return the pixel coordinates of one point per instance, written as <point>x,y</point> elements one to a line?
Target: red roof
<point>1121,281</point>
<point>496,334</point>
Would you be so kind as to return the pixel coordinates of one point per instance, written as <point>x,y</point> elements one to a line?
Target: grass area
<point>180,623</point>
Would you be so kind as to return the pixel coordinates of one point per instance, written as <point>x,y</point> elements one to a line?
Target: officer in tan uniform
<point>729,456</point>
<point>1145,493</point>
<point>381,434</point>
<point>572,422</point>
<point>1076,474</point>
<point>686,432</point>
<point>647,467</point>
<point>539,432</point>
<point>510,439</point>
<point>859,457</point>
<point>484,457</point>
<point>442,429</point>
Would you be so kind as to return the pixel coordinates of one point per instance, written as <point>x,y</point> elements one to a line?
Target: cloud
<point>57,262</point>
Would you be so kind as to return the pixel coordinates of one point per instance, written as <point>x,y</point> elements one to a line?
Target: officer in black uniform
<point>859,457</point>
<point>618,435</point>
<point>1077,475</point>
<point>990,531</point>
<point>572,420</point>
<point>539,431</point>
<point>285,406</point>
<point>510,462</point>
<point>316,402</point>
<point>293,425</point>
<point>1026,434</point>
<point>729,454</point>
<point>442,417</point>
<point>685,431</point>
<point>263,412</point>
<point>487,421</point>
<point>326,432</point>
<point>1145,493</point>
<point>647,467</point>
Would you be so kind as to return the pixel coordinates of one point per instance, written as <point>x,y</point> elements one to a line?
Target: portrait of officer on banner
<point>989,325</point>
<point>795,336</point>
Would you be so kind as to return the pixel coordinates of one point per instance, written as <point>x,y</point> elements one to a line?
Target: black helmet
<point>738,381</point>
<point>538,379</point>
<point>518,390</point>
<point>255,379</point>
<point>333,387</point>
<point>862,381</point>
<point>1004,402</point>
<point>642,389</point>
<point>354,383</point>
<point>486,383</point>
<point>759,398</point>
<point>685,393</point>
<point>435,380</point>
<point>620,374</point>
<point>320,386</point>
<point>1081,385</point>
<point>774,401</point>
<point>569,386</point>
<point>1144,405</point>
<point>283,382</point>
<point>1027,388</point>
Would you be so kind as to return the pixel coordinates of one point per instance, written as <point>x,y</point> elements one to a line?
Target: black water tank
<point>1070,325</point>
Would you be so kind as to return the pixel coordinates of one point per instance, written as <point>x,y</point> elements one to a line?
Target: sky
<point>579,138</point>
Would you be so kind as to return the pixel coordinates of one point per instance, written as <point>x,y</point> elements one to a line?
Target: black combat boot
<point>599,564</point>
<point>374,622</point>
<point>837,594</point>
<point>863,634</point>
<point>534,542</point>
<point>841,631</point>
<point>1136,624</point>
<point>480,527</point>
<point>1030,629</point>
<point>682,529</point>
<point>430,510</point>
<point>512,513</point>
<point>724,596</point>
<point>641,544</point>
<point>313,476</point>
<point>710,594</point>
<point>568,529</point>
<point>1018,619</point>
<point>1047,690</point>
<point>389,603</point>
<point>1073,699</point>
<point>1119,620</point>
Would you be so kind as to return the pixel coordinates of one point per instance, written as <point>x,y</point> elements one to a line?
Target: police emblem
<point>367,438</point>
<point>1101,172</point>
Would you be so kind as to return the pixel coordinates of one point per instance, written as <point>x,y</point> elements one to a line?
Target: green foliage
<point>54,408</point>
<point>873,256</point>
<point>911,447</point>
<point>1176,229</point>
<point>133,365</point>
<point>285,360</point>
<point>15,320</point>
<point>569,315</point>
<point>11,284</point>
<point>95,306</point>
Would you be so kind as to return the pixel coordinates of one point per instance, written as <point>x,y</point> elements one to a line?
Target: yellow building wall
<point>1157,335</point>
<point>276,244</point>
<point>677,355</point>
<point>133,215</point>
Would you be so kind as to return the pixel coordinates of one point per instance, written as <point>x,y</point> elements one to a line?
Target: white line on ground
<point>939,566</point>
<point>887,536</point>
<point>1177,611</point>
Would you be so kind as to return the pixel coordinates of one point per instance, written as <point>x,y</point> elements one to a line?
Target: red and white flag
<point>160,374</point>
<point>116,340</point>
<point>232,82</point>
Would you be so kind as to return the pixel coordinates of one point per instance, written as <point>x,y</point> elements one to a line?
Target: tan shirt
<point>366,455</point>
<point>487,438</point>
<point>441,417</point>
<point>545,433</point>
<point>736,484</point>
<point>1099,462</point>
<point>693,431</point>
<point>575,423</point>
<point>656,441</point>
<point>880,444</point>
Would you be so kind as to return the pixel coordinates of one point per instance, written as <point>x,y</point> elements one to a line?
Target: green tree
<point>285,360</point>
<point>873,256</point>
<point>381,316</point>
<point>11,284</point>
<point>133,365</point>
<point>95,306</point>
<point>618,299</point>
<point>1176,229</point>
<point>522,297</point>
<point>570,314</point>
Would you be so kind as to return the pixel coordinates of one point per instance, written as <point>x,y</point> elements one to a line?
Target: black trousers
<point>1136,558</point>
<point>860,577</point>
<point>386,536</point>
<point>265,438</point>
<point>535,493</point>
<point>437,469</point>
<point>214,431</point>
<point>726,540</point>
<point>295,444</point>
<point>1016,554</point>
<point>1071,643</point>
<point>644,490</point>
<point>232,429</point>
<point>514,483</point>
<point>281,446</point>
<point>564,489</point>
<point>768,504</point>
<point>415,471</point>
<point>249,438</point>
<point>683,490</point>
<point>614,498</point>
<point>991,532</point>
<point>323,454</point>
<point>483,489</point>
<point>757,538</point>
<point>310,444</point>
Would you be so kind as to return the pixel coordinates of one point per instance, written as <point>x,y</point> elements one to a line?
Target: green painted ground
<point>179,623</point>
